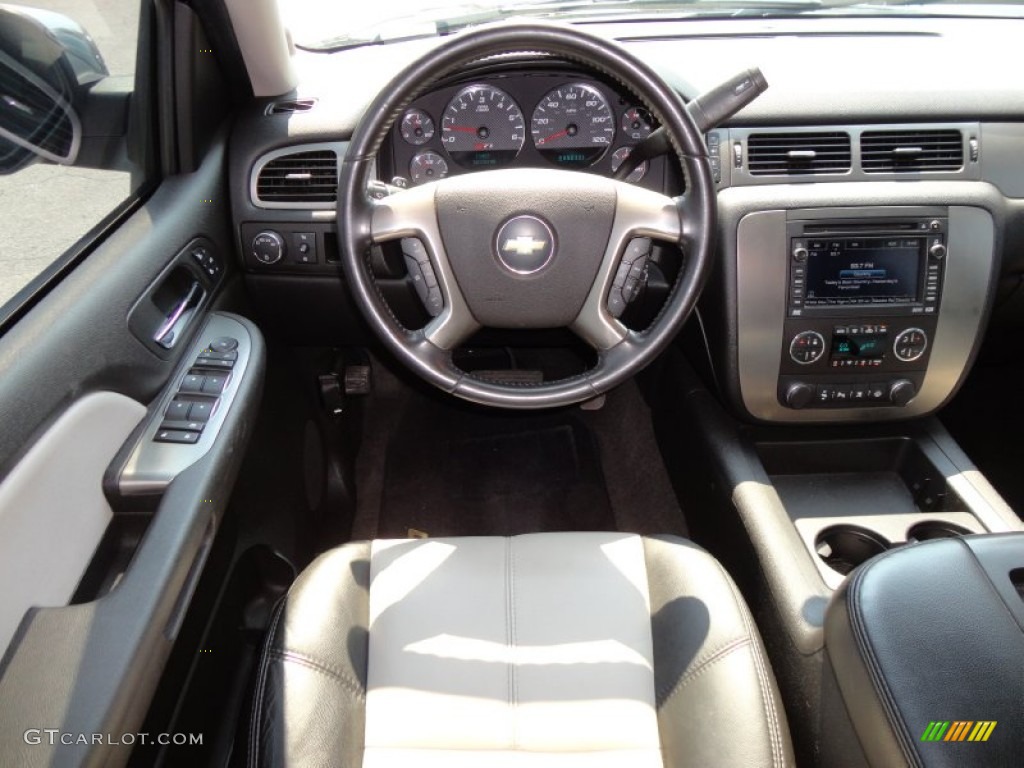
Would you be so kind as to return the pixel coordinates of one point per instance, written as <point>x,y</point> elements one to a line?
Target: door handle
<point>179,317</point>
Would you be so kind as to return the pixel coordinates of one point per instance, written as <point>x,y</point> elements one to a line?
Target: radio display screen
<point>863,271</point>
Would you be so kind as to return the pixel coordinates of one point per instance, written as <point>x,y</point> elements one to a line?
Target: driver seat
<point>570,650</point>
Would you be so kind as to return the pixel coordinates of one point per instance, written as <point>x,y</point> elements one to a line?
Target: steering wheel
<point>526,248</point>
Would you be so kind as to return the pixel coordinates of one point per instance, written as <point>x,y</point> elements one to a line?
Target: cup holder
<point>935,529</point>
<point>844,547</point>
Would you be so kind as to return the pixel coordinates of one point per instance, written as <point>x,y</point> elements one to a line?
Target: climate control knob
<point>910,344</point>
<point>807,347</point>
<point>268,247</point>
<point>901,392</point>
<point>799,395</point>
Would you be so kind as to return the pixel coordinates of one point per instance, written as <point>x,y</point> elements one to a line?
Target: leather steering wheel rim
<point>693,230</point>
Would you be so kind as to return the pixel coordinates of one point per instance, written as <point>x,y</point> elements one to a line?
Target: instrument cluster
<point>522,120</point>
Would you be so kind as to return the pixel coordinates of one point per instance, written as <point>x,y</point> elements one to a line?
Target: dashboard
<point>843,152</point>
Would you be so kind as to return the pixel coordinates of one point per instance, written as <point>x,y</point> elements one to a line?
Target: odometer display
<point>483,127</point>
<point>573,125</point>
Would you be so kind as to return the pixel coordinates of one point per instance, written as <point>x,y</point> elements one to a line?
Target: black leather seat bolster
<point>717,701</point>
<point>311,684</point>
<point>933,632</point>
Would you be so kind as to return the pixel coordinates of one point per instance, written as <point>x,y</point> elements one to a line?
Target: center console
<point>862,303</point>
<point>869,313</point>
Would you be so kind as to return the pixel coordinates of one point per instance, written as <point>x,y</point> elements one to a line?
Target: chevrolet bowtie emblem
<point>524,246</point>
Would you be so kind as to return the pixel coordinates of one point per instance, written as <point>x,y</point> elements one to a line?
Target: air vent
<point>909,151</point>
<point>798,154</point>
<point>299,177</point>
<point>291,106</point>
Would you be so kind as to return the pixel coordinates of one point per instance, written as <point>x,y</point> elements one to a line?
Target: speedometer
<point>573,125</point>
<point>483,127</point>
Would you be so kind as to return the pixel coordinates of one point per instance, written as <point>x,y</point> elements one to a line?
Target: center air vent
<point>910,150</point>
<point>795,154</point>
<point>298,179</point>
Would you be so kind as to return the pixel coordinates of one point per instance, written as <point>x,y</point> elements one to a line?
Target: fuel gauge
<point>417,127</point>
<point>427,166</point>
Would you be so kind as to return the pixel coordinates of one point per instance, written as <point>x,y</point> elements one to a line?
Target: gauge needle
<point>554,136</point>
<point>462,128</point>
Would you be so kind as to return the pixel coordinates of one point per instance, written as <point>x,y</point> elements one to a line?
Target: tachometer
<point>573,125</point>
<point>483,127</point>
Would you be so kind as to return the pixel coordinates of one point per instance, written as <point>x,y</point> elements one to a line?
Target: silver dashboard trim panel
<point>761,274</point>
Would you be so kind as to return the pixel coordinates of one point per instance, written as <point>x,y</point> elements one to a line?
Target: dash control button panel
<point>807,347</point>
<point>630,277</point>
<point>910,344</point>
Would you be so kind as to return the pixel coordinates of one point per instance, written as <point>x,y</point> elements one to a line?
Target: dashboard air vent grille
<point>300,177</point>
<point>909,151</point>
<point>797,154</point>
<point>289,106</point>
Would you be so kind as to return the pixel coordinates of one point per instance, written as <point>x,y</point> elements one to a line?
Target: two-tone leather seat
<point>571,650</point>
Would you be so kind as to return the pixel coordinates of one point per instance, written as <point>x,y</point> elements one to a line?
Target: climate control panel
<point>853,363</point>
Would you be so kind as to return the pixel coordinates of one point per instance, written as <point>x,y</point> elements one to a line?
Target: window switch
<point>202,411</point>
<point>193,383</point>
<point>177,410</point>
<point>214,385</point>
<point>182,436</point>
<point>183,424</point>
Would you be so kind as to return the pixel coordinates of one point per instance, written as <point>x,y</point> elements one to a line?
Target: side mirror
<point>47,62</point>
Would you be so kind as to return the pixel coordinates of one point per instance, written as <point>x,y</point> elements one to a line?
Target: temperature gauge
<point>427,166</point>
<point>637,123</point>
<point>619,157</point>
<point>417,127</point>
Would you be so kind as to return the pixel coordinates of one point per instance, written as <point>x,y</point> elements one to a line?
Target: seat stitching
<point>704,666</point>
<point>708,656</point>
<point>767,699</point>
<point>257,710</point>
<point>347,681</point>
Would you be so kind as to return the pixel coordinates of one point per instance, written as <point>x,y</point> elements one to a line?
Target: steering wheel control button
<point>182,436</point>
<point>807,347</point>
<point>630,277</point>
<point>304,248</point>
<point>193,383</point>
<point>268,247</point>
<point>525,244</point>
<point>910,345</point>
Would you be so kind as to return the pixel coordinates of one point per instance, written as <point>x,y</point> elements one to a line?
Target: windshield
<point>330,25</point>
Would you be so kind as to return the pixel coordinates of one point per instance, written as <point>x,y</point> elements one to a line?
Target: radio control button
<point>800,254</point>
<point>937,251</point>
<point>799,395</point>
<point>902,392</point>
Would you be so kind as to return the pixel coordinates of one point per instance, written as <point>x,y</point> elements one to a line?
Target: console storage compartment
<point>853,499</point>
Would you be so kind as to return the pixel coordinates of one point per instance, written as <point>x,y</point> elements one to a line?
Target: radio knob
<point>800,254</point>
<point>901,392</point>
<point>799,395</point>
<point>268,247</point>
<point>937,251</point>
